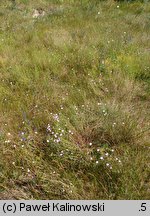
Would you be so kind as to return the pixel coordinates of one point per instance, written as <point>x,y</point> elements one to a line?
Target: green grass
<point>74,100</point>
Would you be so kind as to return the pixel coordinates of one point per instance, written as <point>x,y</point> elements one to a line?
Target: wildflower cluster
<point>53,136</point>
<point>105,156</point>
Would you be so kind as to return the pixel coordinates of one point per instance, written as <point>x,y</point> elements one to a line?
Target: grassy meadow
<point>74,99</point>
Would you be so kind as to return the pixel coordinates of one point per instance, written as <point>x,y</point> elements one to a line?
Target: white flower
<point>90,144</point>
<point>96,162</point>
<point>7,141</point>
<point>58,140</point>
<point>101,158</point>
<point>98,13</point>
<point>47,141</point>
<point>106,154</point>
<point>56,117</point>
<point>117,6</point>
<point>48,128</point>
<point>107,164</point>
